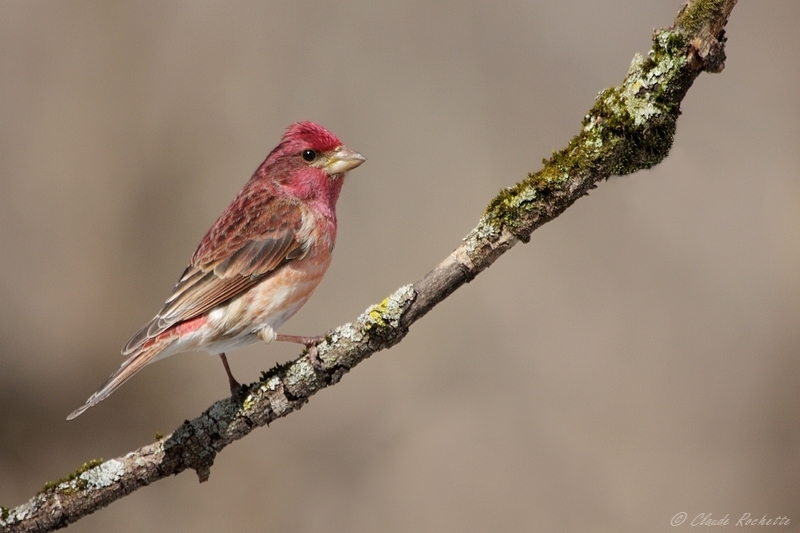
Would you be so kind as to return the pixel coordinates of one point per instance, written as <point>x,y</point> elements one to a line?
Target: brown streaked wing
<point>257,243</point>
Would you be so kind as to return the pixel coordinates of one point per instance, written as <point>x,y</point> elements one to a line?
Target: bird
<point>257,265</point>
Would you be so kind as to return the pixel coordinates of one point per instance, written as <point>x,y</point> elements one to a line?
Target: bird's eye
<point>309,155</point>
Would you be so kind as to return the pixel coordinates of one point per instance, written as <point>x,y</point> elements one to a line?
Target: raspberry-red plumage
<point>259,262</point>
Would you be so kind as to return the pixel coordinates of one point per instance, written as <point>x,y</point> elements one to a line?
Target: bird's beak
<point>342,160</point>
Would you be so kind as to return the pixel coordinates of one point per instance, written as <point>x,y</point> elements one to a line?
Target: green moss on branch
<point>629,128</point>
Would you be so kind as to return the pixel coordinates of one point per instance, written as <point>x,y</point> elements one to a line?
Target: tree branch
<point>630,127</point>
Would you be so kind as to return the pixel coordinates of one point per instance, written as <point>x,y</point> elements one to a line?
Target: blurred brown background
<point>637,359</point>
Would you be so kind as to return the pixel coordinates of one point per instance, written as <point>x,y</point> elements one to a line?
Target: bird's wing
<point>247,243</point>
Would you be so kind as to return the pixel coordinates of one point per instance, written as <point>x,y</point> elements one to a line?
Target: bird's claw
<point>313,355</point>
<point>239,392</point>
<point>311,346</point>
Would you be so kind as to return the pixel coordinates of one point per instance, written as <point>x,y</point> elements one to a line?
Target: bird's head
<point>310,163</point>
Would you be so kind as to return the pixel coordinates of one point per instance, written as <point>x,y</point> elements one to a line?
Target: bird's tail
<point>131,366</point>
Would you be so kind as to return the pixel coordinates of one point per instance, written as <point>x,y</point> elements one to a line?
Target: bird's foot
<point>237,389</point>
<point>309,342</point>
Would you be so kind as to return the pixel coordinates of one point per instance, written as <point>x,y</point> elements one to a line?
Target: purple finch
<point>257,265</point>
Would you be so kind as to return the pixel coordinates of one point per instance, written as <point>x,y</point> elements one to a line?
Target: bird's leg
<point>309,342</point>
<point>236,387</point>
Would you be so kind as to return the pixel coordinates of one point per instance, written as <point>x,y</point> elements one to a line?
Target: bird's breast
<point>274,300</point>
